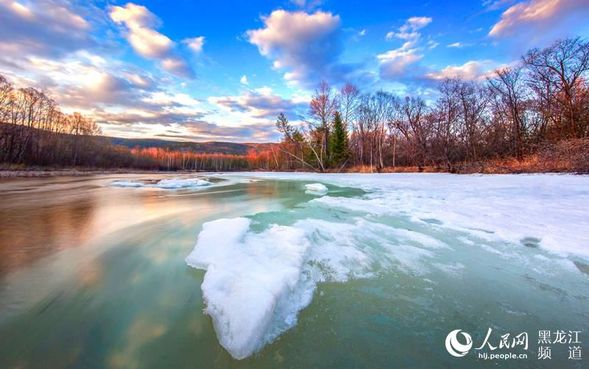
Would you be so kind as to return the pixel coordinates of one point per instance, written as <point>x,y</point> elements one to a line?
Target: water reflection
<point>49,215</point>
<point>94,276</point>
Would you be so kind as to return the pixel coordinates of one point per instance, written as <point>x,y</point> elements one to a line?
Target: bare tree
<point>558,74</point>
<point>374,113</point>
<point>510,94</point>
<point>410,120</point>
<point>446,115</point>
<point>473,99</point>
<point>322,107</point>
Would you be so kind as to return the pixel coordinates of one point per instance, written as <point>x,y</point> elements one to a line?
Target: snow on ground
<point>257,281</point>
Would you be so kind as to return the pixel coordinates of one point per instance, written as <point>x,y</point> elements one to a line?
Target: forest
<point>538,106</point>
<point>534,111</point>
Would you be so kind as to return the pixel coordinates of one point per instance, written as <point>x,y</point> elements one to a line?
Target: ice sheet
<point>257,281</point>
<point>549,207</point>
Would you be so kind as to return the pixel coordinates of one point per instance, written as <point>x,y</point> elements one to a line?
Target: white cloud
<point>535,15</point>
<point>456,45</point>
<point>409,30</point>
<point>431,44</point>
<point>394,63</point>
<point>259,103</point>
<point>43,27</point>
<point>195,44</point>
<point>140,26</point>
<point>471,71</point>
<point>307,46</point>
<point>243,80</point>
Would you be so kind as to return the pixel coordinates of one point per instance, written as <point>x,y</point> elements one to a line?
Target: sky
<point>222,70</point>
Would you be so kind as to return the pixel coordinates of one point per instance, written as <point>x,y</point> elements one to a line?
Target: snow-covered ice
<point>552,208</point>
<point>259,276</point>
<point>132,184</point>
<point>253,284</point>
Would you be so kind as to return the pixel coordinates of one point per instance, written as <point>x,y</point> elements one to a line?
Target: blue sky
<point>222,70</point>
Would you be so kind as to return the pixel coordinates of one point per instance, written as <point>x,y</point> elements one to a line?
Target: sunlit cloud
<point>141,33</point>
<point>394,63</point>
<point>470,71</point>
<point>307,46</point>
<point>260,103</point>
<point>195,44</point>
<point>43,27</point>
<point>545,16</point>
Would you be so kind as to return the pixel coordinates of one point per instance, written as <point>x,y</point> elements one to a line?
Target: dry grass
<point>570,156</point>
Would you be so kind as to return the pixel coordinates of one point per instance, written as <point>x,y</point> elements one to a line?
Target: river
<point>93,271</point>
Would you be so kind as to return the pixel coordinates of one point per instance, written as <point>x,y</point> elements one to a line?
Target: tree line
<point>544,98</point>
<point>34,131</point>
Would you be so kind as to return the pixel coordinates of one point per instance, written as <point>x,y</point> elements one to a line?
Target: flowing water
<point>94,276</point>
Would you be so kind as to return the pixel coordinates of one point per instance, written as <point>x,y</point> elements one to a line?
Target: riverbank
<point>565,157</point>
<point>75,172</point>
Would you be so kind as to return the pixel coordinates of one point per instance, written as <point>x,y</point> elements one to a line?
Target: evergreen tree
<point>339,142</point>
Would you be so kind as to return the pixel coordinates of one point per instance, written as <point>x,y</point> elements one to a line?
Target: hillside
<point>214,147</point>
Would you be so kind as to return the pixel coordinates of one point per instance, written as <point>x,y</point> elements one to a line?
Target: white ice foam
<point>176,183</point>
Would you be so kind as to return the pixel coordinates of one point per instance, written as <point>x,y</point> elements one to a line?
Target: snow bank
<point>316,189</point>
<point>165,184</point>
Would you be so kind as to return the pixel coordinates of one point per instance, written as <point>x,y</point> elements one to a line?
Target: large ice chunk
<point>316,189</point>
<point>254,285</point>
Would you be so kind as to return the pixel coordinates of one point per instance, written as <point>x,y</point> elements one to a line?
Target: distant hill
<point>213,147</point>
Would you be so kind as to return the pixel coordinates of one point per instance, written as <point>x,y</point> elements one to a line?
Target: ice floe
<point>316,189</point>
<point>253,284</point>
<point>164,184</point>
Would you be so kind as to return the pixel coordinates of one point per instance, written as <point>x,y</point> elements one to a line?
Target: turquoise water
<point>94,276</point>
